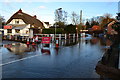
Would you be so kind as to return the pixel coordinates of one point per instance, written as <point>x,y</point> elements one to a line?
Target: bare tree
<point>60,16</point>
<point>107,18</point>
<point>75,18</point>
<point>2,21</point>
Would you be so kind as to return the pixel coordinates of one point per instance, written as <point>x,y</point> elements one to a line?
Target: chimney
<point>20,11</point>
<point>35,16</point>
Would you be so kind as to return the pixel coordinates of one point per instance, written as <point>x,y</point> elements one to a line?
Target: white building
<point>46,24</point>
<point>22,24</point>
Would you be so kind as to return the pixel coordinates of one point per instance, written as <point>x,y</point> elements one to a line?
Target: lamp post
<point>77,30</point>
<point>55,31</point>
<point>58,16</point>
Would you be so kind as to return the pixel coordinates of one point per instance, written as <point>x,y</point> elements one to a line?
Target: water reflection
<point>45,51</point>
<point>57,49</point>
<point>15,51</point>
<point>69,42</point>
<point>94,41</point>
<point>19,48</point>
<point>71,57</point>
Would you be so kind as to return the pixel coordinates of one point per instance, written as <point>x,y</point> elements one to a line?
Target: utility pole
<point>81,17</point>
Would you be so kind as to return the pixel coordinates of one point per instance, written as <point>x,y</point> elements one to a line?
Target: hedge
<point>52,31</point>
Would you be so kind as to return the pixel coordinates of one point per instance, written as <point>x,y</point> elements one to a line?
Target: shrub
<point>70,29</point>
<point>52,31</point>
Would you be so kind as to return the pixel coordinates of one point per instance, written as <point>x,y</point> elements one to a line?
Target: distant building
<point>46,24</point>
<point>22,24</point>
<point>96,28</point>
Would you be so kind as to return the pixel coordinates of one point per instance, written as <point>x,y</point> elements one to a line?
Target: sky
<point>45,10</point>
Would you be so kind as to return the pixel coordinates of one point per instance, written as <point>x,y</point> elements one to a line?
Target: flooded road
<point>73,59</point>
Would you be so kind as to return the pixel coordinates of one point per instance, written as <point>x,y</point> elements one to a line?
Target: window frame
<point>9,30</point>
<point>17,21</point>
<point>17,30</point>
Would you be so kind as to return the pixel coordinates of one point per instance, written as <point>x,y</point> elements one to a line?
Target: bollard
<point>36,39</point>
<point>60,37</point>
<point>22,38</point>
<point>57,44</point>
<point>16,38</point>
<point>73,35</point>
<point>33,42</point>
<point>28,41</point>
<point>52,37</point>
<point>9,37</point>
<point>77,35</point>
<point>69,36</point>
<point>65,36</point>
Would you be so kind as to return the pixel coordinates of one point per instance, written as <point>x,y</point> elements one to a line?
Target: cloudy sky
<point>45,9</point>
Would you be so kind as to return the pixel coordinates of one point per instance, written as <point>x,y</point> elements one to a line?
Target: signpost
<point>46,40</point>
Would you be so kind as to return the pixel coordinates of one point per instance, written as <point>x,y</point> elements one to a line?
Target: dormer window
<point>16,21</point>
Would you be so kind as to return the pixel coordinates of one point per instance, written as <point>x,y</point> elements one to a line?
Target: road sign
<point>7,27</point>
<point>46,40</point>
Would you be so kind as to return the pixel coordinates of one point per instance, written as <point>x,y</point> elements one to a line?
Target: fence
<point>53,37</point>
<point>58,36</point>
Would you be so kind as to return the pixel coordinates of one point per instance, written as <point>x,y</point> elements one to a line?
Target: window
<point>27,32</point>
<point>17,30</point>
<point>16,21</point>
<point>9,30</point>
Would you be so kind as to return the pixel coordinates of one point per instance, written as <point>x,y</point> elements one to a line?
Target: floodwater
<point>75,58</point>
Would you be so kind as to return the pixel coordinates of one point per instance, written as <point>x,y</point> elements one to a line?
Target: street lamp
<point>56,21</point>
<point>55,31</point>
<point>77,30</point>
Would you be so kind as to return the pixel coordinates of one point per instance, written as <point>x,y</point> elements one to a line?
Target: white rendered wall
<point>20,21</point>
<point>23,31</point>
<point>5,31</point>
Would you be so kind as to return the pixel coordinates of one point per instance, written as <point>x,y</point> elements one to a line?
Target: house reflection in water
<point>19,48</point>
<point>94,41</point>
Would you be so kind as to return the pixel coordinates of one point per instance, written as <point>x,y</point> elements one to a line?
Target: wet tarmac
<point>73,59</point>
